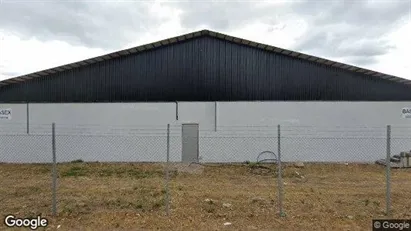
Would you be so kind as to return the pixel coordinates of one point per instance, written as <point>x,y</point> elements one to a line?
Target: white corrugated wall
<point>311,131</point>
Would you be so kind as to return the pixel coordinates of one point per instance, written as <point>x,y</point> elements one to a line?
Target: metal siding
<point>194,77</point>
<point>204,69</point>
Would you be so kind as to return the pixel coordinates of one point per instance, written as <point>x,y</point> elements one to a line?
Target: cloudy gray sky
<point>36,35</point>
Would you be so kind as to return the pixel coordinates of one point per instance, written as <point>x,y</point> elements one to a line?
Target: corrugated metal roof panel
<point>188,36</point>
<point>360,70</point>
<point>124,52</point>
<point>19,79</point>
<point>212,33</point>
<point>294,54</point>
<point>50,71</point>
<point>269,48</point>
<point>59,69</point>
<point>219,35</point>
<point>253,44</point>
<point>209,33</point>
<point>164,42</point>
<point>229,38</point>
<point>237,40</point>
<point>261,46</point>
<point>303,56</point>
<point>181,38</point>
<point>312,58</point>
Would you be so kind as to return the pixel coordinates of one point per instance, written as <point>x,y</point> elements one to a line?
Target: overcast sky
<point>35,35</point>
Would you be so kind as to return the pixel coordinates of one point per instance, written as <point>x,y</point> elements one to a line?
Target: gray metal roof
<point>184,37</point>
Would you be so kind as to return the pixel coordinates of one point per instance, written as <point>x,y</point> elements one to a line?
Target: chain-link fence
<point>337,178</point>
<point>399,181</point>
<point>233,179</point>
<point>243,176</point>
<point>25,171</point>
<point>97,168</point>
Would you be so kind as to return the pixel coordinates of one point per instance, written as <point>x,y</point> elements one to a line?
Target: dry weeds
<point>95,196</point>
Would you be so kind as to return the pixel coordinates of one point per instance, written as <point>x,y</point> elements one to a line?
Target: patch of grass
<point>128,172</point>
<point>106,172</point>
<point>139,206</point>
<point>67,210</point>
<point>44,169</point>
<point>210,206</point>
<point>253,164</point>
<point>376,203</point>
<point>131,196</point>
<point>77,161</point>
<point>74,171</point>
<point>86,169</point>
<point>211,202</point>
<point>72,207</point>
<point>158,204</point>
<point>26,191</point>
<point>135,173</point>
<point>155,193</point>
<point>116,203</point>
<point>142,204</point>
<point>210,209</point>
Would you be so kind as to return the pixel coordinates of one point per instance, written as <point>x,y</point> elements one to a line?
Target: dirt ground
<point>97,196</point>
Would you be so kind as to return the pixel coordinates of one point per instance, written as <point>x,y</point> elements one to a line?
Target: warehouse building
<point>215,80</point>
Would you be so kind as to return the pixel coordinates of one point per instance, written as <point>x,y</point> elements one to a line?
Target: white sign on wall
<point>5,113</point>
<point>406,113</point>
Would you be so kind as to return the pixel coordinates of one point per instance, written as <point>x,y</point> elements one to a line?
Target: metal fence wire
<point>398,180</point>
<point>264,171</point>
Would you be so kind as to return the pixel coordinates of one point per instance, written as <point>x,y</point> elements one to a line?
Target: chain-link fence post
<point>54,174</point>
<point>388,171</point>
<point>167,196</point>
<point>280,177</point>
